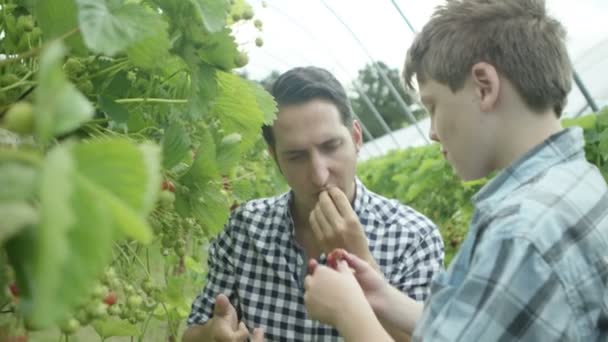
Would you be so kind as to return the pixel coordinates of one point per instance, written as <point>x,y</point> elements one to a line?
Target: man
<point>494,75</point>
<point>258,264</point>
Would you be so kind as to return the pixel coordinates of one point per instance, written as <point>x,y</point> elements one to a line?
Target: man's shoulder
<point>261,206</point>
<point>391,212</point>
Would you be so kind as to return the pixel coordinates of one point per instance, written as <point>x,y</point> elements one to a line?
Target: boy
<point>494,75</point>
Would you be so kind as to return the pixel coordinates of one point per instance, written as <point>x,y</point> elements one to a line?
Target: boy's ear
<point>487,85</point>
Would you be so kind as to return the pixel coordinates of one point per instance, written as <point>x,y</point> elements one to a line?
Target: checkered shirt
<point>257,264</point>
<point>534,266</point>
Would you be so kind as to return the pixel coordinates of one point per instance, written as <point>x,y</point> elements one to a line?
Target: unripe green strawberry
<point>19,118</point>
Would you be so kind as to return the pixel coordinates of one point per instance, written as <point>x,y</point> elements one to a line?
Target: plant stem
<point>150,100</point>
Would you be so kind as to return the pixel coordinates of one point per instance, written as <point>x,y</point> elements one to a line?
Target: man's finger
<point>258,335</point>
<point>324,224</point>
<point>222,306</point>
<point>340,201</point>
<point>316,229</point>
<point>242,333</point>
<point>328,209</point>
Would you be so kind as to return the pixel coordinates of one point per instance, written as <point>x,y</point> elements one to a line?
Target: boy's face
<point>461,127</point>
<point>314,150</point>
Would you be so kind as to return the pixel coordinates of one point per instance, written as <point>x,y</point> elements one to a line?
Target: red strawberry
<point>168,185</point>
<point>334,256</point>
<point>111,298</point>
<point>14,289</point>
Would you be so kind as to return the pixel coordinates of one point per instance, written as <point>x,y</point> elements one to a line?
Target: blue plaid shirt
<point>257,264</point>
<point>534,265</point>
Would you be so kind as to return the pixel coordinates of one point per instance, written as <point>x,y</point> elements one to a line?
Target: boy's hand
<point>331,295</point>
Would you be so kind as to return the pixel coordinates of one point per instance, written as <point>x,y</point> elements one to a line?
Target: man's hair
<point>517,37</point>
<point>302,84</point>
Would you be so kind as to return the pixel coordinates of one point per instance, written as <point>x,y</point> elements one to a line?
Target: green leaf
<point>228,153</point>
<point>210,207</point>
<point>204,168</point>
<point>110,27</point>
<point>175,144</point>
<point>129,172</point>
<point>73,241</point>
<point>220,50</point>
<point>237,109</point>
<point>212,12</point>
<point>193,265</point>
<point>113,327</point>
<point>59,107</point>
<point>265,102</point>
<point>57,18</point>
<point>115,111</point>
<point>15,217</point>
<point>152,50</point>
<point>586,122</point>
<point>603,148</point>
<point>602,118</point>
<point>203,90</point>
<point>17,181</point>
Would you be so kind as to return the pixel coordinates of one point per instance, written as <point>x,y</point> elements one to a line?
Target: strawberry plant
<point>120,124</point>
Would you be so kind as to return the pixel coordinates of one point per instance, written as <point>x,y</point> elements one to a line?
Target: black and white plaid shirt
<point>255,261</point>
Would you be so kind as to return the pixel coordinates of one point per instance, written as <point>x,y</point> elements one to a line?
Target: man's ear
<point>273,154</point>
<point>357,135</point>
<point>487,85</point>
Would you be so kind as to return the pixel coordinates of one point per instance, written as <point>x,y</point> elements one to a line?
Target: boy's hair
<point>302,84</point>
<point>517,37</point>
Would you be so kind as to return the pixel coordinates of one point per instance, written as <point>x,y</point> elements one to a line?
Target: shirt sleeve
<point>420,262</point>
<point>509,293</point>
<point>220,278</point>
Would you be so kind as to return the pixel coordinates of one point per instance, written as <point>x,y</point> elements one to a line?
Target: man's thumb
<point>222,306</point>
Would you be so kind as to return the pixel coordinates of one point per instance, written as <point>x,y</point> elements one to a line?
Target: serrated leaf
<point>110,27</point>
<point>237,109</point>
<point>203,90</point>
<point>115,111</point>
<point>57,18</point>
<point>204,168</point>
<point>113,327</point>
<point>265,102</point>
<point>175,144</point>
<point>59,106</point>
<point>228,155</point>
<point>152,50</point>
<point>73,241</point>
<point>209,205</point>
<point>220,50</point>
<point>212,13</point>
<point>130,172</point>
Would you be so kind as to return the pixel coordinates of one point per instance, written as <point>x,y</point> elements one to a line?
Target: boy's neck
<point>524,130</point>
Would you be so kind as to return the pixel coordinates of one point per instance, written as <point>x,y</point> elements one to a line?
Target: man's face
<point>314,150</point>
<point>459,125</point>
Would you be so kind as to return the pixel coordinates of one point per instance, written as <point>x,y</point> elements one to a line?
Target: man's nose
<point>319,171</point>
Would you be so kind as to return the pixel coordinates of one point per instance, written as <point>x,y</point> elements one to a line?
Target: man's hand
<point>335,225</point>
<point>225,326</point>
